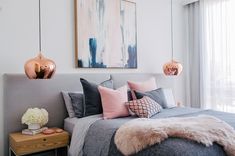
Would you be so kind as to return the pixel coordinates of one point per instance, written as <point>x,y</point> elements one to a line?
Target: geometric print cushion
<point>144,107</point>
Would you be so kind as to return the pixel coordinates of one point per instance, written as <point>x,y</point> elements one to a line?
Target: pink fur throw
<point>140,133</point>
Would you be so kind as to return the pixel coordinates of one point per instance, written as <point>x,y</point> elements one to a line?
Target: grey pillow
<point>164,97</point>
<point>92,104</point>
<point>68,103</point>
<point>77,103</point>
<point>129,95</point>
<point>108,83</point>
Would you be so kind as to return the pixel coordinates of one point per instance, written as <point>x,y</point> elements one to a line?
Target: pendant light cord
<point>172,35</point>
<point>39,26</point>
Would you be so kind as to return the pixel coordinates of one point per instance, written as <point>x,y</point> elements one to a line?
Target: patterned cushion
<point>145,107</point>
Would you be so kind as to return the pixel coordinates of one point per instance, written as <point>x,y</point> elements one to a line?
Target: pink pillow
<point>113,102</point>
<point>145,86</point>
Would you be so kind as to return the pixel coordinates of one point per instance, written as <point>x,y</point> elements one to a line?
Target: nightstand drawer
<point>37,143</point>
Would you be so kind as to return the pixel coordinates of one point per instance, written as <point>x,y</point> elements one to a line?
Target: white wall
<point>19,38</point>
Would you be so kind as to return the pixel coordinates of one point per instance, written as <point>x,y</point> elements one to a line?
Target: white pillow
<point>169,97</point>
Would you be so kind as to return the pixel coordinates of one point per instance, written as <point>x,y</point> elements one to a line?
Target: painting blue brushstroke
<point>93,47</point>
<point>93,52</point>
<point>132,57</point>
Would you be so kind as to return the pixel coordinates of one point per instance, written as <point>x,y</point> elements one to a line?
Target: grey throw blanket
<point>99,138</point>
<point>79,133</point>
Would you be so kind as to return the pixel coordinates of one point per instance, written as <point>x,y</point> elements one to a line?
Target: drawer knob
<point>44,139</point>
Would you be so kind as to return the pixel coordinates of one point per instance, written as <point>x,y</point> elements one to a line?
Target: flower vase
<point>34,126</point>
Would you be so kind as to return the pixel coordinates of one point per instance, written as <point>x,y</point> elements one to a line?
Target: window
<point>218,54</point>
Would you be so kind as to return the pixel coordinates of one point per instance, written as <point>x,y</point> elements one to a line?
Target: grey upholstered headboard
<point>21,93</point>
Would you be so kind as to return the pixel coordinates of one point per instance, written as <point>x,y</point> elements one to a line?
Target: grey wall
<point>19,38</point>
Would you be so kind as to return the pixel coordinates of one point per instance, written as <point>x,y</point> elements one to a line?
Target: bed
<point>92,134</point>
<point>99,137</point>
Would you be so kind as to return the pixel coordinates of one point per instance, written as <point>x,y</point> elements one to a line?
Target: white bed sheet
<point>69,124</point>
<point>78,127</point>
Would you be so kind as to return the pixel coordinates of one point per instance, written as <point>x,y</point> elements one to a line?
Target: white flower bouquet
<point>35,116</point>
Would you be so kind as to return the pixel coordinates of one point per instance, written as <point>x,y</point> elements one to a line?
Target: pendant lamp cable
<point>172,35</point>
<point>39,26</point>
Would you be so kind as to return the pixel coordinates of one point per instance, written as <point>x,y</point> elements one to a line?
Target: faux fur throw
<point>138,134</point>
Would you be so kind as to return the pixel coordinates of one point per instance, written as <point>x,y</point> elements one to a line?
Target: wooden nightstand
<point>25,144</point>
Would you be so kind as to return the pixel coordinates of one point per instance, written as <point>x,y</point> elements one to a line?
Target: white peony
<point>35,115</point>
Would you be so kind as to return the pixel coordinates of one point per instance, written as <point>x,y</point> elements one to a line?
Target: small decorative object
<point>179,104</point>
<point>172,68</point>
<point>59,130</point>
<point>33,131</point>
<point>48,131</point>
<point>103,41</point>
<point>35,118</point>
<point>40,67</point>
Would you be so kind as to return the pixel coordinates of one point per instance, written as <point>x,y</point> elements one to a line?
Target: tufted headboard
<point>21,93</point>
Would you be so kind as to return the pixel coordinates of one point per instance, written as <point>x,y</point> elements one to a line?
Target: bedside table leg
<point>55,152</point>
<point>67,150</point>
<point>11,151</point>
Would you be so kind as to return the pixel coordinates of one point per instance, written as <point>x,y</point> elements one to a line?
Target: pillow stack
<point>144,106</point>
<point>103,98</point>
<point>84,104</point>
<point>142,86</point>
<point>92,97</point>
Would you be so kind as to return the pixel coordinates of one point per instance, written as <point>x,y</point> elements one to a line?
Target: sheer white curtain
<point>216,55</point>
<point>193,55</point>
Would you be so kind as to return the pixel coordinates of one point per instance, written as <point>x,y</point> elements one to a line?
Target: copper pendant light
<point>40,67</point>
<point>172,68</point>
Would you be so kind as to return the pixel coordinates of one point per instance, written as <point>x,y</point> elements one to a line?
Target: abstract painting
<point>105,34</point>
